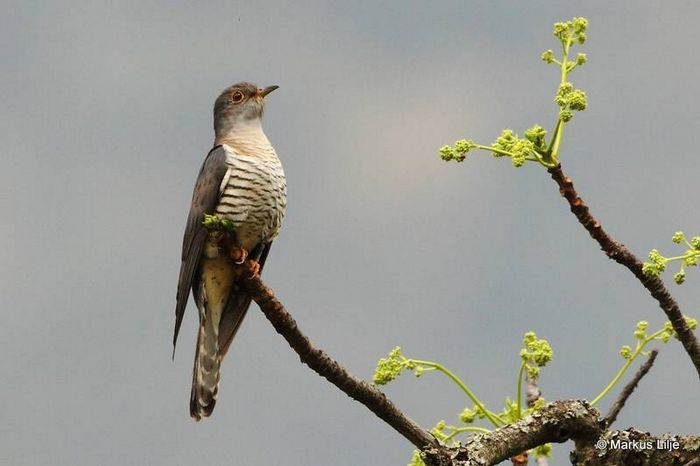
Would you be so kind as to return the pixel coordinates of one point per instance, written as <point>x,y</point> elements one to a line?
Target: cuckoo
<point>237,208</point>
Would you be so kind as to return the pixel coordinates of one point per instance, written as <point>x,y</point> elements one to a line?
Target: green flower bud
<point>536,135</point>
<point>691,323</point>
<point>695,242</point>
<point>467,416</point>
<point>463,146</point>
<point>580,25</point>
<point>416,459</point>
<point>678,237</point>
<point>650,270</point>
<point>447,153</point>
<point>566,116</point>
<point>656,257</point>
<point>560,29</point>
<point>626,352</point>
<point>577,100</point>
<point>543,450</point>
<point>679,278</point>
<point>691,259</point>
<point>533,372</point>
<point>581,59</point>
<point>548,56</point>
<point>389,368</point>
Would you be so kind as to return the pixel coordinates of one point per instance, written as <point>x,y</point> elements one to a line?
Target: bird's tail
<point>205,375</point>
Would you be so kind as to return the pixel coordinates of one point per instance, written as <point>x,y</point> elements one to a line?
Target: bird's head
<point>239,106</point>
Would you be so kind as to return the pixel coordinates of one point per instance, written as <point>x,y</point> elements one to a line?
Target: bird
<point>238,204</point>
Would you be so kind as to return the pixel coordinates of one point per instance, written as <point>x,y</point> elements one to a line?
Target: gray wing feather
<point>204,200</point>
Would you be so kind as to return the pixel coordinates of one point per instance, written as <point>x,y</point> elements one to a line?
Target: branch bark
<point>324,365</point>
<point>638,449</point>
<point>629,388</point>
<point>620,254</point>
<point>556,422</point>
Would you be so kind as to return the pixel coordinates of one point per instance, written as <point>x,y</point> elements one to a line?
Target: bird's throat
<point>245,139</point>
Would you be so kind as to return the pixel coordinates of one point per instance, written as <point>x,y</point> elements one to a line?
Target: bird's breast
<point>253,195</point>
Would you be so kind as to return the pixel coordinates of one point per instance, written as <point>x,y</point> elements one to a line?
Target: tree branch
<point>324,365</point>
<point>620,254</point>
<point>629,388</point>
<point>638,449</point>
<point>556,422</point>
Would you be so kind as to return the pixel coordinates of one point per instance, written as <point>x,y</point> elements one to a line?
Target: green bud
<point>416,459</point>
<point>533,372</point>
<point>560,29</point>
<point>543,450</point>
<point>581,38</point>
<point>691,323</point>
<point>678,237</point>
<point>548,56</point>
<point>691,259</point>
<point>389,368</point>
<point>581,59</point>
<point>626,352</point>
<point>463,146</point>
<point>695,242</point>
<point>679,278</point>
<point>656,257</point>
<point>467,416</point>
<point>447,153</point>
<point>577,100</point>
<point>566,116</point>
<point>650,270</point>
<point>580,25</point>
<point>536,135</point>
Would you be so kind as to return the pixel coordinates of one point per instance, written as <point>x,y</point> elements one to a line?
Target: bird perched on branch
<point>237,208</point>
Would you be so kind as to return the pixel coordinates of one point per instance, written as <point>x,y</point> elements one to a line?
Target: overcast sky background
<point>105,120</point>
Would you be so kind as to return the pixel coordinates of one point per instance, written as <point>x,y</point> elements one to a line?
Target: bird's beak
<point>267,90</point>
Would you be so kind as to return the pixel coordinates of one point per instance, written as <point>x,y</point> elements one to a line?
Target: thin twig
<point>620,254</point>
<point>533,394</point>
<point>629,388</point>
<point>324,365</point>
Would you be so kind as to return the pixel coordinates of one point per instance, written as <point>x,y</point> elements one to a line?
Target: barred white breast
<point>253,195</point>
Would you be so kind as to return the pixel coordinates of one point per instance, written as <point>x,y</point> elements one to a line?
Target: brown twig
<point>329,368</point>
<point>629,388</point>
<point>620,254</point>
<point>533,394</point>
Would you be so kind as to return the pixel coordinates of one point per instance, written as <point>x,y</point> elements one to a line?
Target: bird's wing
<point>238,304</point>
<point>204,200</point>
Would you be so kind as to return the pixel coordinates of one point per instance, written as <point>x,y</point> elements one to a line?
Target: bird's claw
<point>238,255</point>
<point>254,266</point>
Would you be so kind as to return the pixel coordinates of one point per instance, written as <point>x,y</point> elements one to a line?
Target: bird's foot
<point>247,269</point>
<point>254,266</point>
<point>238,255</point>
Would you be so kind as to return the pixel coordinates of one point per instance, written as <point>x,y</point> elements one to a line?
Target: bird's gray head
<point>239,106</point>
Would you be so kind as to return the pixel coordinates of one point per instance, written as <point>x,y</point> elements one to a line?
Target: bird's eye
<point>237,97</point>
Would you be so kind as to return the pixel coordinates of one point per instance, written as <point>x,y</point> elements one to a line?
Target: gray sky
<point>106,117</point>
